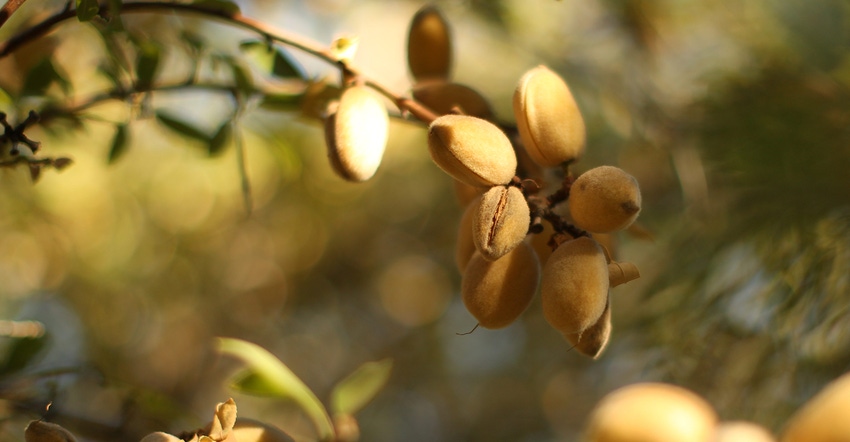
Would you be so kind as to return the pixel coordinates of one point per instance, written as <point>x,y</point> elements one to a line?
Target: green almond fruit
<point>501,221</point>
<point>429,45</point>
<point>471,150</point>
<point>497,292</point>
<point>574,287</point>
<point>548,119</point>
<point>604,199</point>
<point>356,134</point>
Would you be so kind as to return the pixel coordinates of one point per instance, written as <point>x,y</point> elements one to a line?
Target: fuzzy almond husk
<point>356,134</point>
<point>429,45</point>
<point>549,121</point>
<point>604,199</point>
<point>824,418</point>
<point>160,436</point>
<point>651,412</point>
<point>465,245</point>
<point>621,273</point>
<point>471,150</point>
<point>574,286</point>
<point>743,431</point>
<point>443,97</point>
<point>40,431</point>
<point>592,342</point>
<point>497,292</point>
<point>501,221</point>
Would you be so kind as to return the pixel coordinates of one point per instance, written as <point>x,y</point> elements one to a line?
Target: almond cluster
<point>501,269</point>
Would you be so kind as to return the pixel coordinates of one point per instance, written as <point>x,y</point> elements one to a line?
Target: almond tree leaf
<point>278,380</point>
<point>223,7</point>
<point>281,101</point>
<point>21,352</point>
<point>87,9</point>
<point>242,78</point>
<point>119,143</point>
<point>181,127</point>
<point>284,66</point>
<point>351,394</point>
<point>41,76</point>
<point>221,138</point>
<point>259,53</point>
<point>147,62</point>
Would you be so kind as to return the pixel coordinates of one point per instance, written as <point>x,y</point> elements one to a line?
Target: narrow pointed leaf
<point>355,391</point>
<point>221,138</point>
<point>181,127</point>
<point>277,380</point>
<point>223,7</point>
<point>119,143</point>
<point>147,63</point>
<point>87,9</point>
<point>284,66</point>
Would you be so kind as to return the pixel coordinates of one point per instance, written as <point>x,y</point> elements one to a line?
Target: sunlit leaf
<point>221,138</point>
<point>119,143</point>
<point>181,127</point>
<point>275,379</point>
<point>87,9</point>
<point>356,390</point>
<point>147,63</point>
<point>272,60</point>
<point>224,7</point>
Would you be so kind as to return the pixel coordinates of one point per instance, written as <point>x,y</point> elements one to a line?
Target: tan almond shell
<point>548,118</point>
<point>497,292</point>
<point>824,418</point>
<point>356,134</point>
<point>574,287</point>
<point>429,45</point>
<point>592,342</point>
<point>465,193</point>
<point>443,97</point>
<point>742,431</point>
<point>501,221</point>
<point>604,199</point>
<point>160,436</point>
<point>465,246</point>
<point>471,150</point>
<point>651,412</point>
<point>41,431</point>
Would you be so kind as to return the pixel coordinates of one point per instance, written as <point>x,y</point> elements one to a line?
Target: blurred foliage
<point>732,115</point>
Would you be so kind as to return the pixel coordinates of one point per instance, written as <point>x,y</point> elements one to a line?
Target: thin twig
<point>8,9</point>
<point>267,32</point>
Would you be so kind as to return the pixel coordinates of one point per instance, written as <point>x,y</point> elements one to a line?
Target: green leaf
<point>119,143</point>
<point>147,62</point>
<point>281,101</point>
<point>87,9</point>
<point>270,377</point>
<point>181,127</point>
<point>242,78</point>
<point>223,7</point>
<point>21,352</point>
<point>272,60</point>
<point>356,390</point>
<point>285,67</point>
<point>220,140</point>
<point>41,76</point>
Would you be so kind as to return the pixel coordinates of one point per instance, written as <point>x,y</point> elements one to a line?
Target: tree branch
<point>8,9</point>
<point>267,32</point>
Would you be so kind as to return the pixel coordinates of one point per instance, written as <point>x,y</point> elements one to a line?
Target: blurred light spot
<point>414,290</point>
<point>23,264</point>
<point>21,329</point>
<point>181,196</point>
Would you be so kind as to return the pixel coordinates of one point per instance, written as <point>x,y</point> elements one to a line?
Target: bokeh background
<point>734,116</point>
